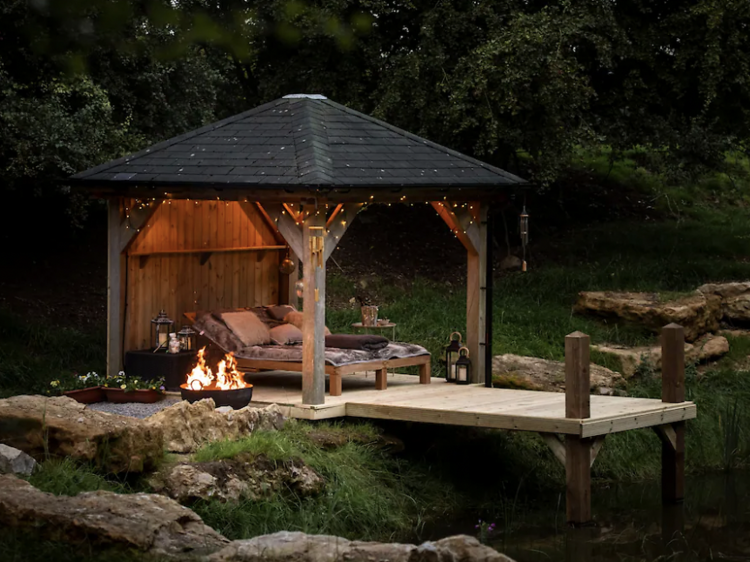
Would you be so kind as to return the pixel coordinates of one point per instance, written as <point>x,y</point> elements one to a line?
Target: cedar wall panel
<point>178,283</point>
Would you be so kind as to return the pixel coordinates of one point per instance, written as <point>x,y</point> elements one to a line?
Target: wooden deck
<point>472,405</point>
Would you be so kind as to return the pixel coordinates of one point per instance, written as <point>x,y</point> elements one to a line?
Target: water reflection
<point>631,525</point>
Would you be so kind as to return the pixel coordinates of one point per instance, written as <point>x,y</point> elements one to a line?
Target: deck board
<point>473,405</point>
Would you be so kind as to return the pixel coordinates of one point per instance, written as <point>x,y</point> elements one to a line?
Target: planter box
<point>119,396</point>
<point>87,395</point>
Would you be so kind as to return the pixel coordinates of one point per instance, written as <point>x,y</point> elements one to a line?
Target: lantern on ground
<point>161,326</point>
<point>451,356</point>
<point>187,338</point>
<point>463,367</point>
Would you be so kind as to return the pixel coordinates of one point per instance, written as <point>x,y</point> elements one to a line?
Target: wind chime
<point>524,228</point>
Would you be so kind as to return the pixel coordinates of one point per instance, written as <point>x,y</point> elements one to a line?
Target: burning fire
<point>227,376</point>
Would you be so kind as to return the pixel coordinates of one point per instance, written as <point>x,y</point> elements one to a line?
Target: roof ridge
<point>311,144</point>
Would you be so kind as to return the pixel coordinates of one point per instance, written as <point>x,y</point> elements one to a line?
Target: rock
<point>511,262</point>
<point>40,425</point>
<point>298,547</point>
<point>149,523</point>
<point>725,290</point>
<point>15,461</point>
<point>735,300</point>
<point>698,313</point>
<point>707,348</point>
<point>188,426</point>
<point>533,373</point>
<point>253,477</point>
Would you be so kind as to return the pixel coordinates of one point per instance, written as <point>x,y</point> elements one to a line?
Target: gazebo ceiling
<point>300,144</point>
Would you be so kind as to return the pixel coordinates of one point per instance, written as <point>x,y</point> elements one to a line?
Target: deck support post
<point>476,293</point>
<point>115,287</point>
<point>577,449</point>
<point>314,311</point>
<point>673,391</point>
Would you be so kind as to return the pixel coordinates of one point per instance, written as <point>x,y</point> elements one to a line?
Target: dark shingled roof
<point>294,142</point>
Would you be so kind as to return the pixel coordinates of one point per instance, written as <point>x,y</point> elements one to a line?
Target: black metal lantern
<point>463,367</point>
<point>187,338</point>
<point>161,326</point>
<point>451,356</point>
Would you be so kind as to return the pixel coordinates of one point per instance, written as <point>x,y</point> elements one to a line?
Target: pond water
<point>712,524</point>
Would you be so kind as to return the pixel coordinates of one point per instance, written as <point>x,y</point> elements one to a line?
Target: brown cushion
<point>279,311</point>
<point>295,319</point>
<point>247,327</point>
<point>286,334</point>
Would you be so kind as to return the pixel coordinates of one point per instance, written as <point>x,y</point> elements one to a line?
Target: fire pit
<point>227,387</point>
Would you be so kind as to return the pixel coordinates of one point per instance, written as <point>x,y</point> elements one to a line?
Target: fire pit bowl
<point>236,398</point>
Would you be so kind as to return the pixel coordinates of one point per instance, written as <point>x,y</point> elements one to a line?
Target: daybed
<point>289,357</point>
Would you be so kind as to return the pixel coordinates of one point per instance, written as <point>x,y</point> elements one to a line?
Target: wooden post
<point>577,450</point>
<point>115,287</point>
<point>672,391</point>
<point>476,294</point>
<point>314,308</point>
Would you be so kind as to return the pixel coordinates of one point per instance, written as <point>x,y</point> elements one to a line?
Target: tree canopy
<point>518,83</point>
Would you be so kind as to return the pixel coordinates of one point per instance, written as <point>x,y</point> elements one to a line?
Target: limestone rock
<point>288,546</point>
<point>188,426</point>
<point>725,290</point>
<point>698,313</point>
<point>15,461</point>
<point>707,348</point>
<point>66,428</point>
<point>248,476</point>
<point>533,373</point>
<point>149,523</point>
<point>735,300</point>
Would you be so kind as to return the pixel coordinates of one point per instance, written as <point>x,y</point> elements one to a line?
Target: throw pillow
<point>286,334</point>
<point>295,319</point>
<point>279,311</point>
<point>247,327</point>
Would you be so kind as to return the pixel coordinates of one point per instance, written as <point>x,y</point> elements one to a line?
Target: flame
<point>227,376</point>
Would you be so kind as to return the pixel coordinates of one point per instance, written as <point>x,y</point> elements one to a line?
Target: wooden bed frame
<point>335,373</point>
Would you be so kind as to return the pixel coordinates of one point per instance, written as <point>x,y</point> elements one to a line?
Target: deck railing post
<point>673,391</point>
<point>577,449</point>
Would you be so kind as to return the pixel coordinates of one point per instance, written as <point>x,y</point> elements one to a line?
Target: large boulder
<point>148,523</point>
<point>630,359</point>
<point>288,546</point>
<point>188,426</point>
<point>735,300</point>
<point>533,373</point>
<point>245,476</point>
<point>698,313</point>
<point>62,427</point>
<point>15,461</point>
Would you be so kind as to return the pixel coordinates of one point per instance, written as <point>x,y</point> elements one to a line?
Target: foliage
<point>75,382</point>
<point>131,384</point>
<point>65,477</point>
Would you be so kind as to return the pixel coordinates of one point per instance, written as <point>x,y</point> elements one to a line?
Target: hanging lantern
<point>287,266</point>
<point>451,356</point>
<point>187,338</point>
<point>463,367</point>
<point>524,228</point>
<point>161,326</point>
<point>299,288</point>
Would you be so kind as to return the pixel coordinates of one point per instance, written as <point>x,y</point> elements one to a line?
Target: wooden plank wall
<point>178,283</point>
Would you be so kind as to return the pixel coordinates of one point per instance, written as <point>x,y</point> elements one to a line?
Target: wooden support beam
<point>287,226</point>
<point>461,222</point>
<point>132,221</point>
<point>476,295</point>
<point>313,325</point>
<point>116,242</point>
<point>337,225</point>
<point>673,391</point>
<point>596,447</point>
<point>577,450</point>
<point>556,445</point>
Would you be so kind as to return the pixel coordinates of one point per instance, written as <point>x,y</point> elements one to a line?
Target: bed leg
<point>424,373</point>
<point>381,379</point>
<point>334,384</point>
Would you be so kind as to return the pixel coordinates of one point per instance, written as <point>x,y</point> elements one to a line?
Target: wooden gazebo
<point>203,220</point>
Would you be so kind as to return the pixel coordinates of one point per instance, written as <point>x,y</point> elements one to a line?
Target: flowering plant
<point>75,381</point>
<point>484,530</point>
<point>131,384</point>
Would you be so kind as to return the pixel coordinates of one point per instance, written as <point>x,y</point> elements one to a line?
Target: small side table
<point>147,365</point>
<point>357,326</point>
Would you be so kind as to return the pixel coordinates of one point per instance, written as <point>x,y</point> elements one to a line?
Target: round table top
<point>360,325</point>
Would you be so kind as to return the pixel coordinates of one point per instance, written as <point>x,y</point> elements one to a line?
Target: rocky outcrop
<point>15,461</point>
<point>187,426</point>
<point>533,373</point>
<point>698,313</point>
<point>299,547</point>
<point>735,300</point>
<point>149,523</point>
<point>253,477</point>
<point>60,426</point>
<point>630,359</point>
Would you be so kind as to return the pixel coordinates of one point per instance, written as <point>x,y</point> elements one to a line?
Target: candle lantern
<point>451,356</point>
<point>187,338</point>
<point>463,367</point>
<point>161,326</point>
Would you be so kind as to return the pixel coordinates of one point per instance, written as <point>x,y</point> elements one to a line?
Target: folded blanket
<point>365,342</point>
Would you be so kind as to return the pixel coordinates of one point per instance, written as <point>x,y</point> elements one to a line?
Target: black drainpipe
<point>488,302</point>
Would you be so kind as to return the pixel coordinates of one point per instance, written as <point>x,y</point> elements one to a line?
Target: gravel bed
<point>135,409</point>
